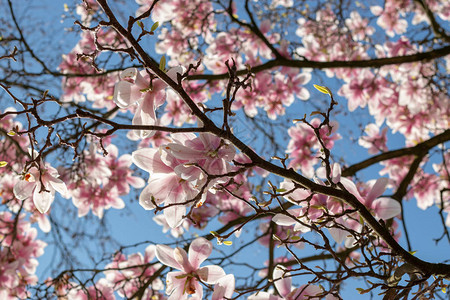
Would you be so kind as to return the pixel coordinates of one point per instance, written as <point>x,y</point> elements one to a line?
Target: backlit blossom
<point>136,87</point>
<point>41,184</point>
<point>186,282</point>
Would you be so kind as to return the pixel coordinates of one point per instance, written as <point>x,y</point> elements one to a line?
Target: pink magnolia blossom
<point>178,172</point>
<point>304,141</point>
<point>19,250</point>
<point>125,273</point>
<point>103,181</point>
<point>375,140</point>
<point>102,290</point>
<point>186,282</point>
<point>165,184</point>
<point>384,208</point>
<point>175,232</point>
<point>135,87</point>
<point>41,184</point>
<point>207,150</point>
<point>358,26</point>
<point>389,19</point>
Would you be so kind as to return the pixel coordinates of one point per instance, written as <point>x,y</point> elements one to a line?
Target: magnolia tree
<point>278,146</point>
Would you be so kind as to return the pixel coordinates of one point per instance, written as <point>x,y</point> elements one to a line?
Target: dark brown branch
<point>369,63</point>
<point>419,148</point>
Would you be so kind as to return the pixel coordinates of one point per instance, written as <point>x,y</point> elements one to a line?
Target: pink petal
<point>117,203</point>
<point>378,189</point>
<point>283,282</point>
<point>199,250</point>
<point>303,94</point>
<point>183,152</point>
<point>310,290</point>
<point>224,287</point>
<point>136,182</point>
<point>336,173</point>
<point>210,274</point>
<point>172,73</point>
<point>149,160</point>
<point>351,188</point>
<point>198,295</point>
<point>44,223</point>
<point>174,215</point>
<point>386,208</point>
<point>337,234</point>
<point>150,253</point>
<point>146,198</point>
<point>181,257</point>
<point>129,73</point>
<point>175,286</point>
<point>145,115</point>
<point>165,255</point>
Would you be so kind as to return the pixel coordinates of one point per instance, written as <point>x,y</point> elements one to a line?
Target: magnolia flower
<point>383,207</point>
<point>181,284</point>
<point>165,186</point>
<point>136,87</point>
<point>42,184</point>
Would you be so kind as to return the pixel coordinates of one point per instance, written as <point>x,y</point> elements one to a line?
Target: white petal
<point>59,186</point>
<point>42,200</point>
<point>172,73</point>
<point>129,73</point>
<point>23,189</point>
<point>125,94</point>
<point>283,220</point>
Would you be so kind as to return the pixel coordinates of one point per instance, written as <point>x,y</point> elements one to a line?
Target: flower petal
<point>59,186</point>
<point>23,189</point>
<point>386,208</point>
<point>378,189</point>
<point>125,94</point>
<point>283,220</point>
<point>174,215</point>
<point>337,234</point>
<point>210,274</point>
<point>149,160</point>
<point>172,73</point>
<point>224,287</point>
<point>199,250</point>
<point>283,282</point>
<point>166,256</point>
<point>42,200</point>
<point>182,258</point>
<point>146,198</point>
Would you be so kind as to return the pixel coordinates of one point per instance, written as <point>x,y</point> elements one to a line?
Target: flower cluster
<point>181,171</point>
<point>19,250</point>
<point>103,181</point>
